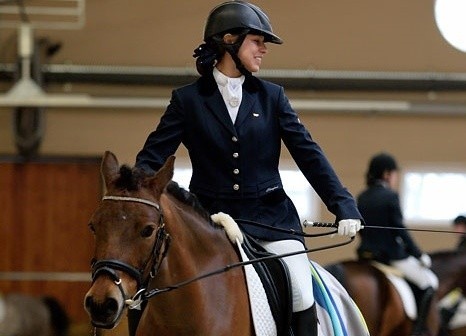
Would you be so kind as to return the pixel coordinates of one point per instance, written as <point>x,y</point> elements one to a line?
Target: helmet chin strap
<point>233,49</point>
<point>239,64</point>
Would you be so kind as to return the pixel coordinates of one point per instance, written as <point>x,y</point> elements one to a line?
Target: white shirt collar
<point>222,79</point>
<point>231,90</point>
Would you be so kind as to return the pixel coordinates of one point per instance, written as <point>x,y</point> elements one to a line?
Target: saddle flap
<point>401,286</point>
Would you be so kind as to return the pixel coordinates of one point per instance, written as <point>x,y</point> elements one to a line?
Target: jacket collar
<point>213,99</point>
<point>208,86</point>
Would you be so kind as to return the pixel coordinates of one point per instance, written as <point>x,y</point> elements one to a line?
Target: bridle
<point>109,266</point>
<point>157,255</point>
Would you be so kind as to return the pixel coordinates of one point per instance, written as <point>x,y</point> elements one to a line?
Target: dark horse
<point>380,302</point>
<point>450,268</point>
<point>150,237</point>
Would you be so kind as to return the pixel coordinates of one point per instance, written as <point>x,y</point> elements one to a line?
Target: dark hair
<point>460,220</point>
<point>206,55</point>
<point>378,165</point>
<point>212,51</point>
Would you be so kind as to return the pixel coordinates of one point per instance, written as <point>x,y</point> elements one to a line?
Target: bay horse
<point>151,233</point>
<point>379,300</point>
<point>130,239</point>
<point>380,303</point>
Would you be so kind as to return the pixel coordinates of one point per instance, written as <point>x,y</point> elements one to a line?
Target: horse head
<point>129,238</point>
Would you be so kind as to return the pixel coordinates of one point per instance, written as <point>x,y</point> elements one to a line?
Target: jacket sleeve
<point>311,160</point>
<point>165,139</point>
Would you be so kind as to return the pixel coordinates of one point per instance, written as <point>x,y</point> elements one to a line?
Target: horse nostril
<point>101,311</point>
<point>110,307</point>
<point>87,302</point>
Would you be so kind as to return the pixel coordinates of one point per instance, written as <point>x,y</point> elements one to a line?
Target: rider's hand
<point>349,227</point>
<point>425,260</point>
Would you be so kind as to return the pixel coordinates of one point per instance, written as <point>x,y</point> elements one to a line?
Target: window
<point>303,196</point>
<point>430,197</point>
<point>295,184</point>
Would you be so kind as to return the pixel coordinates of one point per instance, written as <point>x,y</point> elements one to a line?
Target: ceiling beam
<point>290,79</point>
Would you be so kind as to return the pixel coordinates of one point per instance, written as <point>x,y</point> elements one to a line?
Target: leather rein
<point>160,249</point>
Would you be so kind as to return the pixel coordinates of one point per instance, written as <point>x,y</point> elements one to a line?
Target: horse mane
<point>442,253</point>
<point>133,179</point>
<point>188,198</point>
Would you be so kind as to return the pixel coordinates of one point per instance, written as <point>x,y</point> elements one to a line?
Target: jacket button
<point>235,155</point>
<point>236,171</point>
<point>235,186</point>
<point>234,139</point>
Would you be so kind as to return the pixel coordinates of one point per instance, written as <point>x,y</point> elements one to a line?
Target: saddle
<point>275,279</point>
<point>401,285</point>
<point>405,288</point>
<point>273,276</point>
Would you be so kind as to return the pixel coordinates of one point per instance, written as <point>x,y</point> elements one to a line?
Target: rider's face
<point>391,178</point>
<point>252,51</point>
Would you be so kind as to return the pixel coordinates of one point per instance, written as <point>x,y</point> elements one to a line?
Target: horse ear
<point>163,176</point>
<point>109,168</point>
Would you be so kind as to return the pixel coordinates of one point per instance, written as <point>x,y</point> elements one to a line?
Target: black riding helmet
<point>378,165</point>
<point>238,18</point>
<point>236,15</point>
<point>460,220</point>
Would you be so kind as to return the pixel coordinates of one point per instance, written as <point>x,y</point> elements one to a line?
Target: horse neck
<point>196,248</point>
<point>196,245</point>
<point>451,271</point>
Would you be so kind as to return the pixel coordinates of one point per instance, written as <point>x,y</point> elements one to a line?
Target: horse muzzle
<point>105,308</point>
<point>105,300</point>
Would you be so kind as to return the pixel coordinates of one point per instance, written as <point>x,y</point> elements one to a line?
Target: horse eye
<point>147,231</point>
<point>91,227</point>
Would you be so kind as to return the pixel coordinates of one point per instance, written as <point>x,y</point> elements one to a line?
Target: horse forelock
<point>188,198</point>
<point>131,179</point>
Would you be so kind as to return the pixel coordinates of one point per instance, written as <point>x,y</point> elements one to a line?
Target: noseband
<point>159,251</point>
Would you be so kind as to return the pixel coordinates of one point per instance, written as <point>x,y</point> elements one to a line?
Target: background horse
<point>149,233</point>
<point>26,315</point>
<point>450,268</point>
<point>381,305</point>
<point>378,299</point>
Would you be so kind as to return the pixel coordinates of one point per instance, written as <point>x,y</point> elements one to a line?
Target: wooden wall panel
<point>46,245</point>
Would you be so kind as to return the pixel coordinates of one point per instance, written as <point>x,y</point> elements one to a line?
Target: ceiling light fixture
<point>450,19</point>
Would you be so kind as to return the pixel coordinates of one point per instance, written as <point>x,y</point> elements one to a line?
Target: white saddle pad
<point>264,323</point>
<point>402,287</point>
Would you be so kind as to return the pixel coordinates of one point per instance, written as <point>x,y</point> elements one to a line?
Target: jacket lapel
<point>247,103</point>
<point>217,107</point>
<point>214,102</point>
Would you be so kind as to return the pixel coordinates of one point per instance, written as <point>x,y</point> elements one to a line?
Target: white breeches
<point>299,269</point>
<point>415,272</point>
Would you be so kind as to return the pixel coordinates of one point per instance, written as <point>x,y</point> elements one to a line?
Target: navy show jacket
<point>235,166</point>
<point>380,206</point>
